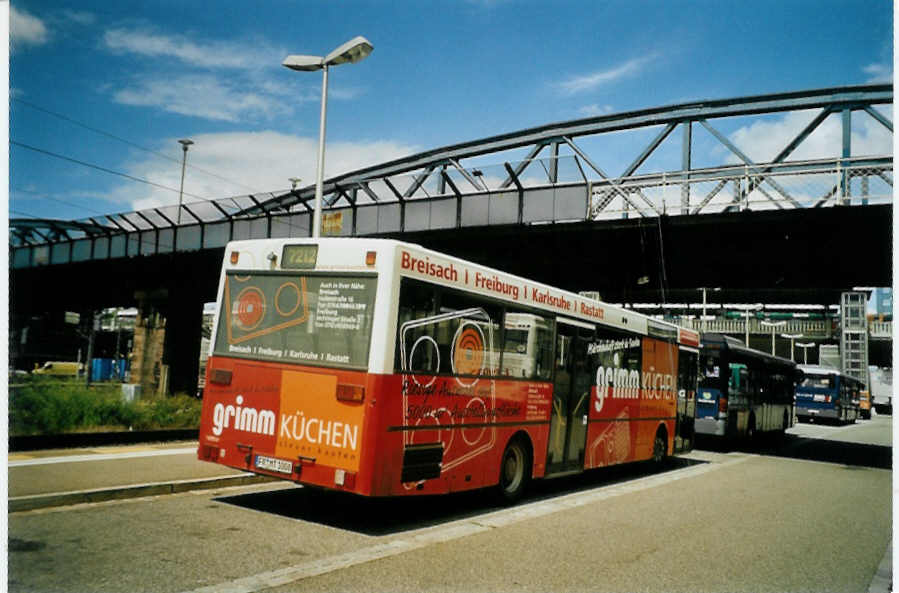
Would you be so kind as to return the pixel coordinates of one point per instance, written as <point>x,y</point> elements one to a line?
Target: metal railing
<point>880,330</point>
<point>806,184</point>
<point>572,197</point>
<point>809,328</point>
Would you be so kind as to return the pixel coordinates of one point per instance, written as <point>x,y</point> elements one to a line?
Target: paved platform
<point>55,477</point>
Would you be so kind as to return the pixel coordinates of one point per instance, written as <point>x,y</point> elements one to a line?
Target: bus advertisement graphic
<point>467,400</point>
<point>300,319</point>
<point>313,423</point>
<point>635,380</point>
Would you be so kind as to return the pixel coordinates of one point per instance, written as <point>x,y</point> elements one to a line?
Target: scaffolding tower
<point>854,335</point>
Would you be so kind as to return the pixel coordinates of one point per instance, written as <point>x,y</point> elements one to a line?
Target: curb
<point>96,439</point>
<point>42,501</point>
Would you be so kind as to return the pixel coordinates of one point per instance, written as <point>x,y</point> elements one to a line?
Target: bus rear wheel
<point>750,430</point>
<point>514,471</point>
<point>659,447</point>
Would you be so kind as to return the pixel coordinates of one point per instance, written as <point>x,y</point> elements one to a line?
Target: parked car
<point>864,404</point>
<point>59,368</point>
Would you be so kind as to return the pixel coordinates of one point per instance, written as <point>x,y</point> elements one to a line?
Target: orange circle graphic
<point>468,352</point>
<point>250,308</point>
<point>296,298</point>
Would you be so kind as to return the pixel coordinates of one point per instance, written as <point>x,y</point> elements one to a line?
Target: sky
<point>101,91</point>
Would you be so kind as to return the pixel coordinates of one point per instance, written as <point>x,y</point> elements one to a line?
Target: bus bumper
<point>711,426</point>
<point>803,412</point>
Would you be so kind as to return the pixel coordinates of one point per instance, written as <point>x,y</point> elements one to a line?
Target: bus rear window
<point>817,381</point>
<point>297,318</point>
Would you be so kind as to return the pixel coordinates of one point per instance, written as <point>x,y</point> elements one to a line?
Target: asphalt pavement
<point>54,477</point>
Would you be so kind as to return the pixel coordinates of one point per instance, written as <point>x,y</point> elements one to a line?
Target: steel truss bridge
<point>688,207</point>
<point>558,180</point>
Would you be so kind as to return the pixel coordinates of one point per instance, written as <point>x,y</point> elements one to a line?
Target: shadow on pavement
<point>386,516</point>
<point>799,447</point>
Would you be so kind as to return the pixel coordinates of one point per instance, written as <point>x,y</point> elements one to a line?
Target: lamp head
<point>354,50</point>
<point>303,63</point>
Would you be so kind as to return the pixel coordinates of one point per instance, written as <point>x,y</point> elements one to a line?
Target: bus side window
<point>417,301</point>
<point>446,332</point>
<point>527,346</point>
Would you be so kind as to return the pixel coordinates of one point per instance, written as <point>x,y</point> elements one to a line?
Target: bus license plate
<point>274,465</point>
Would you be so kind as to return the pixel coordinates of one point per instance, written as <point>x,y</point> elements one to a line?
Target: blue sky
<point>114,85</point>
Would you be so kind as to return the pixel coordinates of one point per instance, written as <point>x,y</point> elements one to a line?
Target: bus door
<point>571,398</point>
<point>687,370</point>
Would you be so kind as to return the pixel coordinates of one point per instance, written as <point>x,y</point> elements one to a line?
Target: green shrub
<point>54,406</point>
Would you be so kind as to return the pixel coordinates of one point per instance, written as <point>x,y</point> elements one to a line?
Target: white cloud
<point>209,97</point>
<point>79,16</point>
<point>589,82</point>
<point>879,73</point>
<point>216,54</point>
<point>187,78</point>
<point>25,29</point>
<point>261,160</point>
<point>595,109</point>
<point>763,140</point>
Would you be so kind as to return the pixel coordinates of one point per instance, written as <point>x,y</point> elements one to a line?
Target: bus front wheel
<point>514,471</point>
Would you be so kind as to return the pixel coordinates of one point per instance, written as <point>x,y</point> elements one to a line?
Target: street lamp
<point>792,338</point>
<point>184,144</point>
<point>772,325</point>
<point>805,346</point>
<point>294,182</point>
<point>750,308</point>
<point>352,51</point>
<point>705,303</point>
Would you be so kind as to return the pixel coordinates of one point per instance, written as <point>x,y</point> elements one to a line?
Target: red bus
<point>381,368</point>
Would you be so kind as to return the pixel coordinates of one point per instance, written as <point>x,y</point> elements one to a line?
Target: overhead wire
<point>663,275</point>
<point>43,196</point>
<point>28,214</point>
<point>130,143</point>
<point>104,169</point>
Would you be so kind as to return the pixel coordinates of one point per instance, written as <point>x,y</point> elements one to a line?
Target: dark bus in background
<point>829,394</point>
<point>743,391</point>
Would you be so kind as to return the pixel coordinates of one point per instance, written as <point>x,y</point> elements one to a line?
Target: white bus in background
<point>528,344</point>
<point>881,389</point>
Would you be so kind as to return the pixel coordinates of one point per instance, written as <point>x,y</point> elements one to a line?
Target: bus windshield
<point>300,318</point>
<point>710,372</point>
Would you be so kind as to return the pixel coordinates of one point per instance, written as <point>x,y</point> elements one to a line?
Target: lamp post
<point>805,346</point>
<point>185,142</point>
<point>352,51</point>
<point>704,290</point>
<point>749,309</point>
<point>792,338</point>
<point>772,325</point>
<point>294,182</point>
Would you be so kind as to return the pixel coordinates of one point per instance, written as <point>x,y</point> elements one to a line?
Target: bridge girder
<point>381,184</point>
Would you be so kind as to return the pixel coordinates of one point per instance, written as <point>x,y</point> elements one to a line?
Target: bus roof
<point>812,369</point>
<point>416,261</point>
<point>724,342</point>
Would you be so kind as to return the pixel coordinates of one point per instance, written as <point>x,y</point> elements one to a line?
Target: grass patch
<point>40,405</point>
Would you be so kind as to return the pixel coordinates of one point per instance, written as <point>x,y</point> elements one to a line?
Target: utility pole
<point>184,144</point>
<point>94,322</point>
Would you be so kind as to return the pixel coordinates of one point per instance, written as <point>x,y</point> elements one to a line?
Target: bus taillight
<point>220,376</point>
<point>722,405</point>
<point>209,453</point>
<point>350,393</point>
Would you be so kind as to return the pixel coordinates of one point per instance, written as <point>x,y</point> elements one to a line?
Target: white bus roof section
<point>818,370</point>
<point>414,261</point>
